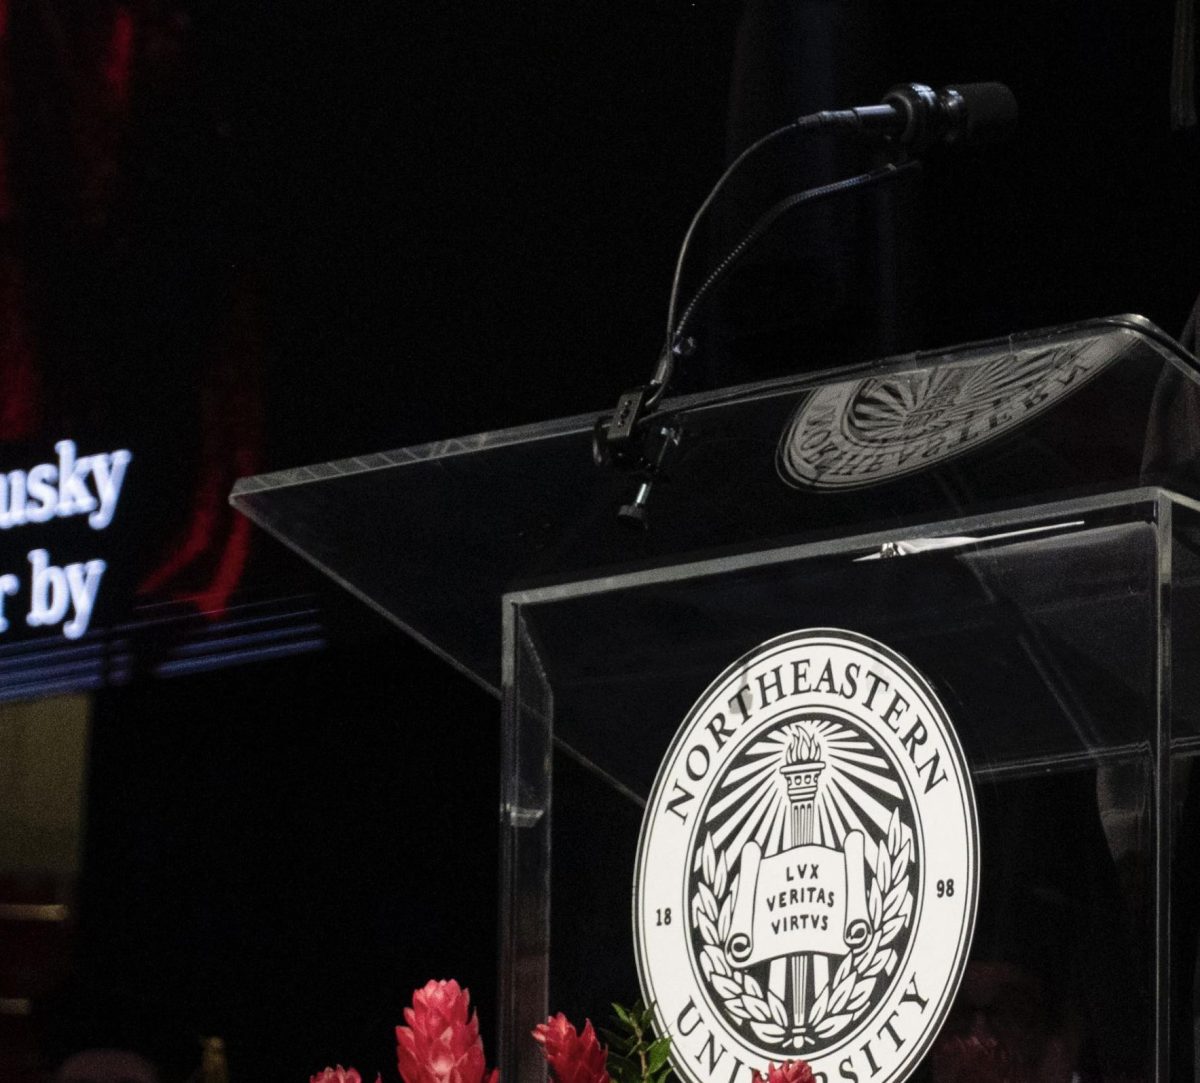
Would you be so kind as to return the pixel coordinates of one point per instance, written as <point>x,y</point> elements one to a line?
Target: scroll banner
<point>806,900</point>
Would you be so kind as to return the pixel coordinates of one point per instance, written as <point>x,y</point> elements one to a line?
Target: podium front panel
<point>1046,635</point>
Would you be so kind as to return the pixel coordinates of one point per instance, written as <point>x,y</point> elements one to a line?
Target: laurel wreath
<point>849,992</point>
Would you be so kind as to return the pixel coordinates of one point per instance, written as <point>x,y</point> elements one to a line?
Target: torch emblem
<point>802,769</point>
<point>805,942</point>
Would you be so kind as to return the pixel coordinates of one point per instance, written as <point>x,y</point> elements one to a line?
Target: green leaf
<point>623,1014</point>
<point>659,1052</point>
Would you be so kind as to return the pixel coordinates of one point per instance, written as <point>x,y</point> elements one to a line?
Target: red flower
<point>338,1075</point>
<point>441,1043</point>
<point>575,1058</point>
<point>790,1071</point>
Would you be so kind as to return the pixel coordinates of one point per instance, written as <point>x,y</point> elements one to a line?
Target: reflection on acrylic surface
<point>106,1066</point>
<point>1055,991</point>
<point>1002,1029</point>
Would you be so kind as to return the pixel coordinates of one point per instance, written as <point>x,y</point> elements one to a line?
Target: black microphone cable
<point>809,124</point>
<point>768,218</point>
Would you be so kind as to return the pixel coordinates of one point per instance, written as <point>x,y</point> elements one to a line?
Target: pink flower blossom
<point>441,1043</point>
<point>574,1057</point>
<point>790,1071</point>
<point>338,1075</point>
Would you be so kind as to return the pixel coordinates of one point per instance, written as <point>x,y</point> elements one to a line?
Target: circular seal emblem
<point>807,871</point>
<point>863,432</point>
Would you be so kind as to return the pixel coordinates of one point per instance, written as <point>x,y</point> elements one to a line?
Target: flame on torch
<point>803,748</point>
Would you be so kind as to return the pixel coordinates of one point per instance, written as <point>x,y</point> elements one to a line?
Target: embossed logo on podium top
<point>868,431</point>
<point>807,872</point>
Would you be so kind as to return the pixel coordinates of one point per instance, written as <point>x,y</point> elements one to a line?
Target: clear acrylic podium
<point>1018,518</point>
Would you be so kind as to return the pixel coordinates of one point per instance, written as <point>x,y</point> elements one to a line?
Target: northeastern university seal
<point>868,431</point>
<point>808,867</point>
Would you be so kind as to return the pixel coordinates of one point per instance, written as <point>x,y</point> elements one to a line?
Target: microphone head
<point>968,113</point>
<point>988,111</point>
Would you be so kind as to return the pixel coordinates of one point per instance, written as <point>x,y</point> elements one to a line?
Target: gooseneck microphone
<point>911,118</point>
<point>917,116</point>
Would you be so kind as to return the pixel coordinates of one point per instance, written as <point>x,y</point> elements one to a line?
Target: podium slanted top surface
<point>433,536</point>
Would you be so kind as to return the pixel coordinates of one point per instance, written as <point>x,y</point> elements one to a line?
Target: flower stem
<point>641,1048</point>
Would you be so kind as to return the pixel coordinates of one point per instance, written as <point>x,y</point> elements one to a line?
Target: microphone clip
<point>615,440</point>
<point>632,444</point>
